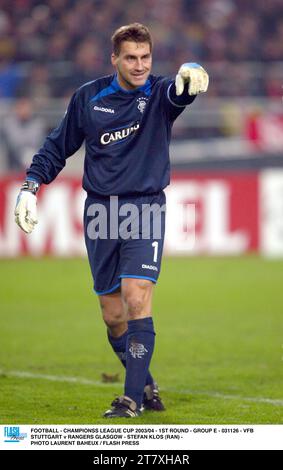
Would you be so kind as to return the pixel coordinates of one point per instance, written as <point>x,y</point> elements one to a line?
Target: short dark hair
<point>135,32</point>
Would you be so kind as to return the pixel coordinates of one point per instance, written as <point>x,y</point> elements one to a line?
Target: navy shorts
<point>124,238</point>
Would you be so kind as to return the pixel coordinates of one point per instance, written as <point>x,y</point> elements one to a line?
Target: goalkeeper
<point>125,120</point>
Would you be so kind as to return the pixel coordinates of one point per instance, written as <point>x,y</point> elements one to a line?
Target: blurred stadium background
<point>227,160</point>
<point>229,143</point>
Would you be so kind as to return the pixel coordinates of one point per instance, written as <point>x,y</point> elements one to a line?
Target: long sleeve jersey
<point>126,134</point>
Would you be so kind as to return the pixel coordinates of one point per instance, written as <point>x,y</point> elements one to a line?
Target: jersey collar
<point>146,88</point>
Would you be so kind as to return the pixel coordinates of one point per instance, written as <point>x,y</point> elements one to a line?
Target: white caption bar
<point>136,437</point>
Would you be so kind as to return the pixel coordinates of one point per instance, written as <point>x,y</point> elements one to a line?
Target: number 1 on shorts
<point>155,246</point>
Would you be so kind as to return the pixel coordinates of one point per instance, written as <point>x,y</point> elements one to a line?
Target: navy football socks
<point>139,350</point>
<point>119,347</point>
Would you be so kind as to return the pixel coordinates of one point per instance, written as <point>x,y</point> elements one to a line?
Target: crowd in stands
<point>49,48</point>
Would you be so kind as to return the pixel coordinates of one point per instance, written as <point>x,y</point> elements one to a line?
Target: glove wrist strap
<point>31,186</point>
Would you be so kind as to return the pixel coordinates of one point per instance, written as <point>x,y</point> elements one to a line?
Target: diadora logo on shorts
<point>115,135</point>
<point>104,110</point>
<point>149,266</point>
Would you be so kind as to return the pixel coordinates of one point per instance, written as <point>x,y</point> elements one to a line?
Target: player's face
<point>133,64</point>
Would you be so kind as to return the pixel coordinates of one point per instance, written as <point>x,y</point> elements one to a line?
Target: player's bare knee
<point>112,321</point>
<point>135,307</point>
<point>112,312</point>
<point>136,294</point>
<point>116,323</point>
<point>112,315</point>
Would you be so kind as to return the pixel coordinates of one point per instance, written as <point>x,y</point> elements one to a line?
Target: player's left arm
<point>190,80</point>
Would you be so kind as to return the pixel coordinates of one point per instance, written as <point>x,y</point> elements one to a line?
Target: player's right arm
<point>191,80</point>
<point>60,144</point>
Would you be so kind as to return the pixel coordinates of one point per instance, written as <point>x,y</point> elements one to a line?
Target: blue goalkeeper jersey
<point>126,134</point>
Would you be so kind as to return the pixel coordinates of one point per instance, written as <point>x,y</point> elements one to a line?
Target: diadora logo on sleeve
<point>115,136</point>
<point>104,110</point>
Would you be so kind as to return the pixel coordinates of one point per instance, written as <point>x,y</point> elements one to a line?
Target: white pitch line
<point>53,378</point>
<point>270,401</point>
<point>83,381</point>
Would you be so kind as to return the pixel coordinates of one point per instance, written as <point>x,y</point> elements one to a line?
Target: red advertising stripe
<point>228,201</point>
<point>225,204</point>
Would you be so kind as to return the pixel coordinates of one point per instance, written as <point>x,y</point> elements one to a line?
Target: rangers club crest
<point>137,350</point>
<point>142,104</point>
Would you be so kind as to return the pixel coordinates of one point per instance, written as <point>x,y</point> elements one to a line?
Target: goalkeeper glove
<point>25,211</point>
<point>195,76</point>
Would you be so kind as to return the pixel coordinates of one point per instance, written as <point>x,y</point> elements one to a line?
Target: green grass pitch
<point>218,354</point>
